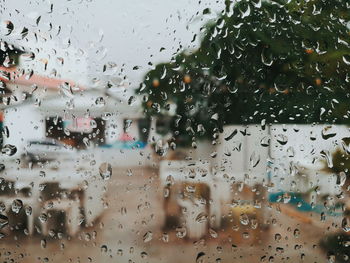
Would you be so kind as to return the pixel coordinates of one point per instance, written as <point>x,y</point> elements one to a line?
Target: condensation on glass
<point>175,131</point>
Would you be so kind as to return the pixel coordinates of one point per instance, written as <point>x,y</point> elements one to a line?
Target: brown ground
<point>118,236</point>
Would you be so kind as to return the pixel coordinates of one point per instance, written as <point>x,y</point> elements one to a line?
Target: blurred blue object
<point>301,205</point>
<point>126,145</point>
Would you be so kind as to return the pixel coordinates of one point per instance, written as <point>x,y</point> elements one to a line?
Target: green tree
<point>261,61</point>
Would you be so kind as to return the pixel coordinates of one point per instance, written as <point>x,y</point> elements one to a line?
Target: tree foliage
<point>261,61</point>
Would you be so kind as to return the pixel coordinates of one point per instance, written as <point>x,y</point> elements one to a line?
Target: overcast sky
<point>130,32</point>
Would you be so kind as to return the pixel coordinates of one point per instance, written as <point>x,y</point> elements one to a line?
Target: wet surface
<point>130,230</point>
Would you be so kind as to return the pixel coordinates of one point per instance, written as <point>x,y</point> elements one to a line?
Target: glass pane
<point>175,131</point>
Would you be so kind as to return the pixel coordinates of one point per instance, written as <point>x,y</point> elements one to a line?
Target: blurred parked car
<point>46,150</point>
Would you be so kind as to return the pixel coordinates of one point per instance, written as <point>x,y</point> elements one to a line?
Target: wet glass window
<point>175,131</point>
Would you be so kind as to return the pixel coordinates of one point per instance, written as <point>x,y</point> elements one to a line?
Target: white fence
<point>287,157</point>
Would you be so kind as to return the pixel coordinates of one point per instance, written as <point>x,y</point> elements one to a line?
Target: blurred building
<point>38,107</point>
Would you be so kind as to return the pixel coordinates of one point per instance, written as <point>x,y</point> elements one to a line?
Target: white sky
<point>129,32</point>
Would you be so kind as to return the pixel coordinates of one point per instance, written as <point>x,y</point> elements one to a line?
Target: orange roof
<point>16,77</point>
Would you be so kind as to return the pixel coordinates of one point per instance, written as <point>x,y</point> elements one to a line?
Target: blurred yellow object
<point>244,209</point>
<point>187,79</point>
<point>309,51</point>
<point>318,81</point>
<point>155,83</point>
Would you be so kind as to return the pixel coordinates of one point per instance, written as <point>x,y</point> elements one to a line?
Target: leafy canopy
<point>261,61</point>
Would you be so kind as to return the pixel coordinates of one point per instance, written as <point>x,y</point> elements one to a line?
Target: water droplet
<point>144,255</point>
<point>147,237</point>
<point>282,139</point>
<point>345,224</point>
<point>100,102</point>
<point>254,159</point>
<point>346,59</point>
<point>5,131</point>
<point>43,218</point>
<point>265,142</point>
<point>246,12</point>
<point>104,249</point>
<point>213,233</point>
<point>16,206</point>
<point>201,218</point>
<point>341,179</point>
<point>43,243</point>
<point>231,135</point>
<point>290,151</point>
<point>181,232</point>
<point>9,150</point>
<point>166,192</point>
<point>278,237</point>
<point>66,90</point>
<point>296,233</point>
<point>3,221</point>
<point>110,69</point>
<point>123,210</point>
<point>327,155</point>
<point>244,219</point>
<point>165,237</point>
<point>161,148</point>
<point>105,170</point>
<point>200,257</point>
<point>266,58</point>
<point>7,27</point>
<point>328,132</point>
<point>131,100</point>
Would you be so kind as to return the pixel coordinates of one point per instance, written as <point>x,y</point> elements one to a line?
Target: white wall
<point>299,150</point>
<point>123,157</point>
<point>303,149</point>
<point>243,157</point>
<point>24,123</point>
<point>114,129</point>
<point>306,151</point>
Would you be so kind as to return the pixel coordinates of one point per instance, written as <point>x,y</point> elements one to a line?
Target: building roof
<point>15,76</point>
<point>94,101</point>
